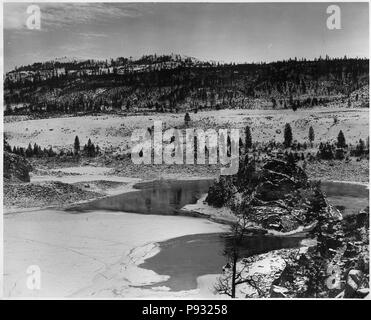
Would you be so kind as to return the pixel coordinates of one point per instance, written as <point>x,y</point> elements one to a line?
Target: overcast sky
<point>246,32</point>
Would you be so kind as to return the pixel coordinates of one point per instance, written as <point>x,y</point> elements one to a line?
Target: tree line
<point>36,151</point>
<point>286,84</point>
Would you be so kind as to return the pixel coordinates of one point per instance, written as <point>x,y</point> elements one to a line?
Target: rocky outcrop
<point>279,178</point>
<point>337,267</point>
<point>281,197</point>
<point>16,168</point>
<point>284,199</point>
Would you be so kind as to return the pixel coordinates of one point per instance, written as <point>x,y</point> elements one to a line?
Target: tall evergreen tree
<point>29,151</point>
<point>287,136</point>
<point>89,148</point>
<point>35,150</point>
<point>76,146</point>
<point>311,135</point>
<point>341,140</point>
<point>187,119</point>
<point>248,139</point>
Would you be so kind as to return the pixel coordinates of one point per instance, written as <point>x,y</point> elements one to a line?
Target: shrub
<point>220,193</point>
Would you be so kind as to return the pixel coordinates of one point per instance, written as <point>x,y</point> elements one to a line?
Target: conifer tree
<point>248,139</point>
<point>76,145</point>
<point>341,140</point>
<point>287,136</point>
<point>311,136</point>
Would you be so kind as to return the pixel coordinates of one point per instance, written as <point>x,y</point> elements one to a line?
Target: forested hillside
<point>176,83</point>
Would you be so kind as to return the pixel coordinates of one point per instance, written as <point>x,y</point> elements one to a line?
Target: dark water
<point>186,258</point>
<point>158,197</point>
<point>169,196</point>
<point>348,198</point>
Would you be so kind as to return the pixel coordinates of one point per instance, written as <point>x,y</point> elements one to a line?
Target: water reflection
<point>169,196</point>
<point>158,197</point>
<point>186,258</point>
<point>347,197</point>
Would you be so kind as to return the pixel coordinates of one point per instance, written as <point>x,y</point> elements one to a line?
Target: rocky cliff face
<point>278,178</point>
<point>338,266</point>
<point>16,168</point>
<point>280,198</point>
<point>280,195</point>
<point>284,198</point>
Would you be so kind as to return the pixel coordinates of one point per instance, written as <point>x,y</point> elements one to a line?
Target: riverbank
<point>122,166</point>
<point>63,187</point>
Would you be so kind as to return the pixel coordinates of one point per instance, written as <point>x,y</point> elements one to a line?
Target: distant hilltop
<point>120,65</point>
<point>173,83</point>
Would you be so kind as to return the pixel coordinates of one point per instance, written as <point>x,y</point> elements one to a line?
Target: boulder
<point>278,292</point>
<point>363,293</point>
<point>353,283</point>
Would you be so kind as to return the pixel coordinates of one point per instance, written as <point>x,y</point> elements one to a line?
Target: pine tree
<point>291,159</point>
<point>229,146</point>
<point>29,151</point>
<point>35,150</point>
<point>248,139</point>
<point>341,140</point>
<point>76,145</point>
<point>88,148</point>
<point>287,136</point>
<point>311,136</point>
<point>50,152</point>
<point>360,148</point>
<point>21,152</point>
<point>187,119</point>
<point>92,150</point>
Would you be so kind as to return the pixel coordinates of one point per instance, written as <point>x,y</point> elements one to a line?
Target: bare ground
<point>43,194</point>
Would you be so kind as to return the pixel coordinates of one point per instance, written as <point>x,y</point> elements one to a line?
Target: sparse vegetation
<point>174,83</point>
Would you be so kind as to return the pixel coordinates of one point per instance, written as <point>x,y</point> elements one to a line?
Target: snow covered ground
<point>115,131</point>
<point>88,174</point>
<point>92,254</point>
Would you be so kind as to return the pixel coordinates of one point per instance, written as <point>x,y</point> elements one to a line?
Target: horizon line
<point>14,68</point>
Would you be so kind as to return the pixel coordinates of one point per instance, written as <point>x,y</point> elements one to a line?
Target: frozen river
<point>99,250</point>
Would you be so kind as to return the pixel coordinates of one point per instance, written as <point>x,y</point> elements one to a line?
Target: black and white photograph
<point>185,151</point>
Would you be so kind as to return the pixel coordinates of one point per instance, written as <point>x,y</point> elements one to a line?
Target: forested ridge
<point>175,83</point>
